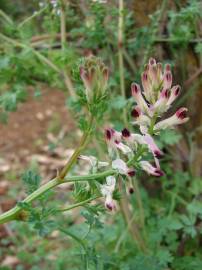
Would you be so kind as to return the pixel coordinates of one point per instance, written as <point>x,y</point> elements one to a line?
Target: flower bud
<point>174,93</point>
<point>146,86</point>
<point>161,105</point>
<point>94,75</point>
<point>167,80</point>
<point>136,93</point>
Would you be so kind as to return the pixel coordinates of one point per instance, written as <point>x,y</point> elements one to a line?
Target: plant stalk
<point>131,224</point>
<point>78,150</point>
<point>78,204</point>
<point>15,212</point>
<point>120,55</point>
<point>63,24</point>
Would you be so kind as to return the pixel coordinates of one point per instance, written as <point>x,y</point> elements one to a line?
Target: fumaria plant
<point>128,152</point>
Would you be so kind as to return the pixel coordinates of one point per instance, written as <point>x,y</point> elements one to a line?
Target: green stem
<point>77,204</point>
<point>168,39</point>
<point>153,31</point>
<point>78,150</point>
<point>153,122</point>
<point>35,14</point>
<point>6,17</point>
<point>120,56</point>
<point>133,227</point>
<point>129,59</point>
<point>139,202</point>
<point>15,212</point>
<point>179,198</point>
<point>139,153</point>
<point>63,24</point>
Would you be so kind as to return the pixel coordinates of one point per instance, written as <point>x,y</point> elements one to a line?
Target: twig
<point>121,238</point>
<point>171,40</point>
<point>35,14</point>
<point>120,55</point>
<point>6,17</point>
<point>129,60</point>
<point>43,37</point>
<point>154,29</point>
<point>133,228</point>
<point>63,24</point>
<point>67,79</point>
<point>193,77</point>
<point>139,202</point>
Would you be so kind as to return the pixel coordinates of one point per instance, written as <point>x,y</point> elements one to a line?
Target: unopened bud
<point>94,75</point>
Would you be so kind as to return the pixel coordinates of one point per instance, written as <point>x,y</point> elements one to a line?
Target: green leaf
<point>31,180</point>
<point>118,102</point>
<point>170,137</point>
<point>164,256</point>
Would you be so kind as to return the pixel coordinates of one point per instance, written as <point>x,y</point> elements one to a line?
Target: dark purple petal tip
<point>159,172</point>
<point>135,113</point>
<point>131,173</point>
<point>158,154</point>
<point>177,91</point>
<point>109,132</point>
<point>131,190</point>
<point>125,133</point>
<point>134,88</point>
<point>181,113</point>
<point>109,206</point>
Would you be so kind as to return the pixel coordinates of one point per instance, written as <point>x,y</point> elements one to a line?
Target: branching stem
<point>15,212</point>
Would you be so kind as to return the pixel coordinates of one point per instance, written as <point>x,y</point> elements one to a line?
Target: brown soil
<point>31,122</point>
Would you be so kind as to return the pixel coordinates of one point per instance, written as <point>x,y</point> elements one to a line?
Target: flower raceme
<point>156,98</point>
<point>127,150</point>
<point>94,75</point>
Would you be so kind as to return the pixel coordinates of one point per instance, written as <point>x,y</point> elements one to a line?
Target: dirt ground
<point>40,132</point>
<point>32,121</point>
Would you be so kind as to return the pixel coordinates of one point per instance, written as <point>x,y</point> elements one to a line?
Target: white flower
<point>122,167</point>
<point>93,161</point>
<point>107,191</point>
<point>113,139</point>
<point>152,146</point>
<point>146,166</point>
<point>178,118</point>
